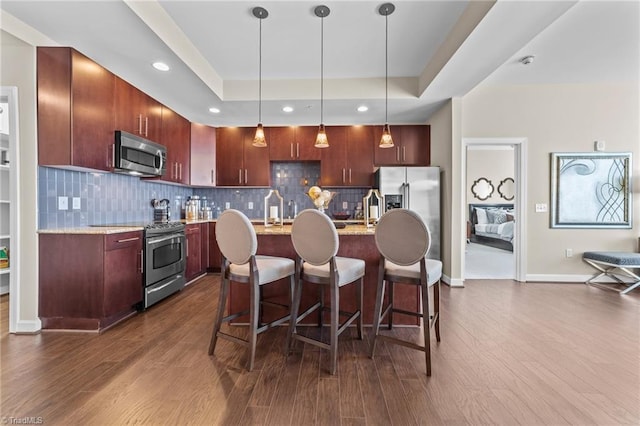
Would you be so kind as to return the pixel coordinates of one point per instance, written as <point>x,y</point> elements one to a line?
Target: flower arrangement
<point>320,198</point>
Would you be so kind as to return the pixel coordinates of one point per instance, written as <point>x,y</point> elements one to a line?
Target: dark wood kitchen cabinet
<point>195,264</point>
<point>238,162</point>
<point>215,255</point>
<point>136,112</point>
<point>75,110</point>
<point>412,146</point>
<point>293,143</point>
<point>89,281</point>
<point>349,159</point>
<point>203,155</point>
<point>176,136</point>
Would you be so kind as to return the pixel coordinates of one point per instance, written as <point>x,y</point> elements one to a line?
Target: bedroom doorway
<point>493,192</point>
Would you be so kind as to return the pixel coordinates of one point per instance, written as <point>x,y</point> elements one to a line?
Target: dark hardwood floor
<point>510,353</point>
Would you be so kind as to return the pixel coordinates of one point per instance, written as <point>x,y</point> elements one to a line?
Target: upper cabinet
<point>293,143</point>
<point>203,155</point>
<point>349,159</point>
<point>238,162</point>
<point>136,112</point>
<point>412,146</point>
<point>75,110</point>
<point>176,135</point>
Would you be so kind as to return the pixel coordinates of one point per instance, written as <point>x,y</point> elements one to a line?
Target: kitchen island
<point>357,241</point>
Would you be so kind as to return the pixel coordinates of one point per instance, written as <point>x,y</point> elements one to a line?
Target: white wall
<point>18,68</point>
<point>560,118</point>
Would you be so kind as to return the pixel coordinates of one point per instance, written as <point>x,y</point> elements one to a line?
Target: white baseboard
<point>548,278</point>
<point>28,327</point>
<point>452,282</point>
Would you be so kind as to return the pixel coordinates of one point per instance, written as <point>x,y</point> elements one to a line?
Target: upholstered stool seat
<point>238,244</point>
<point>434,267</point>
<point>403,241</point>
<point>315,240</point>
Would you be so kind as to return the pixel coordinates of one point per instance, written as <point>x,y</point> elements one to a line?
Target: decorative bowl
<point>341,215</point>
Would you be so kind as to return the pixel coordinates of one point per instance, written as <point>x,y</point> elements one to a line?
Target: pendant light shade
<point>321,138</point>
<point>259,140</point>
<point>386,141</point>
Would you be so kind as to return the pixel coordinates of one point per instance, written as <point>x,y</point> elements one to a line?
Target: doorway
<point>492,258</point>
<point>490,213</point>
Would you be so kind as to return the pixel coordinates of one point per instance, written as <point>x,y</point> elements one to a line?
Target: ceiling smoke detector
<point>526,60</point>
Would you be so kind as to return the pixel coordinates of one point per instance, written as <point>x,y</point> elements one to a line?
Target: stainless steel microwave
<point>138,156</point>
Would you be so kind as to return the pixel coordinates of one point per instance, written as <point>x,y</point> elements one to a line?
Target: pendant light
<point>386,141</point>
<point>259,139</point>
<point>321,138</point>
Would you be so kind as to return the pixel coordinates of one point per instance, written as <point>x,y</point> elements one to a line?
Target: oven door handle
<point>165,238</point>
<point>153,290</point>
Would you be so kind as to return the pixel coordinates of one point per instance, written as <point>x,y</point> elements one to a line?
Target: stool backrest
<point>236,237</point>
<point>402,237</point>
<point>314,237</point>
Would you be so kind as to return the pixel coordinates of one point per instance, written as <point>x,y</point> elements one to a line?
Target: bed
<point>492,225</point>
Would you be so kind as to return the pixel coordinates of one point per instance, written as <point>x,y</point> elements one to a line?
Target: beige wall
<point>18,68</point>
<point>560,118</point>
<point>441,127</point>
<point>493,164</point>
<point>446,140</point>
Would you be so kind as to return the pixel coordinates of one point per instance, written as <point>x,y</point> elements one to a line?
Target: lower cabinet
<point>89,281</point>
<point>215,256</point>
<point>196,262</point>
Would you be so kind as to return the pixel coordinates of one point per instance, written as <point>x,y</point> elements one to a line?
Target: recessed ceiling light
<point>287,109</point>
<point>363,108</point>
<point>214,110</point>
<point>161,66</point>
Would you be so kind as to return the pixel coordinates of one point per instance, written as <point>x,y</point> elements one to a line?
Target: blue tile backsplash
<point>107,198</point>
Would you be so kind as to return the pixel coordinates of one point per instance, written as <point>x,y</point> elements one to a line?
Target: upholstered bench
<point>610,263</point>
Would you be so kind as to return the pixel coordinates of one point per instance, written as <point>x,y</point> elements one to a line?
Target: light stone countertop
<point>99,230</point>
<point>355,229</point>
<point>350,229</point>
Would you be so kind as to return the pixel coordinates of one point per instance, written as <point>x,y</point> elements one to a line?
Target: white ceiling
<point>437,50</point>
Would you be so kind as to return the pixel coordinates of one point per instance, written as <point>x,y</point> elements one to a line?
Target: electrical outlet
<point>63,203</point>
<point>76,203</point>
<point>345,205</point>
<point>227,205</point>
<point>568,252</point>
<point>541,208</point>
<point>250,205</point>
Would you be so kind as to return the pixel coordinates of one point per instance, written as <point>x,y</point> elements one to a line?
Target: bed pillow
<point>496,216</point>
<point>481,216</point>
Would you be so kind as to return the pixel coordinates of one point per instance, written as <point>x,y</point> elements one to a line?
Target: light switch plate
<point>541,208</point>
<point>227,205</point>
<point>250,205</point>
<point>345,205</point>
<point>76,203</point>
<point>63,203</point>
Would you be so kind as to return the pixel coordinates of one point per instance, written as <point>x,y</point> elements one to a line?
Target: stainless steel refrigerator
<point>417,189</point>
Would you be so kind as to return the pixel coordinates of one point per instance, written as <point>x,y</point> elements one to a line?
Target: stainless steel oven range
<point>164,261</point>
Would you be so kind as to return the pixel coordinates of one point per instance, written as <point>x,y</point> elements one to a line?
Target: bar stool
<point>403,241</point>
<point>316,243</point>
<point>238,244</point>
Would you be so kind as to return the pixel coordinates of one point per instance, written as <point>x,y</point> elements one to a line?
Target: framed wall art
<point>591,190</point>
